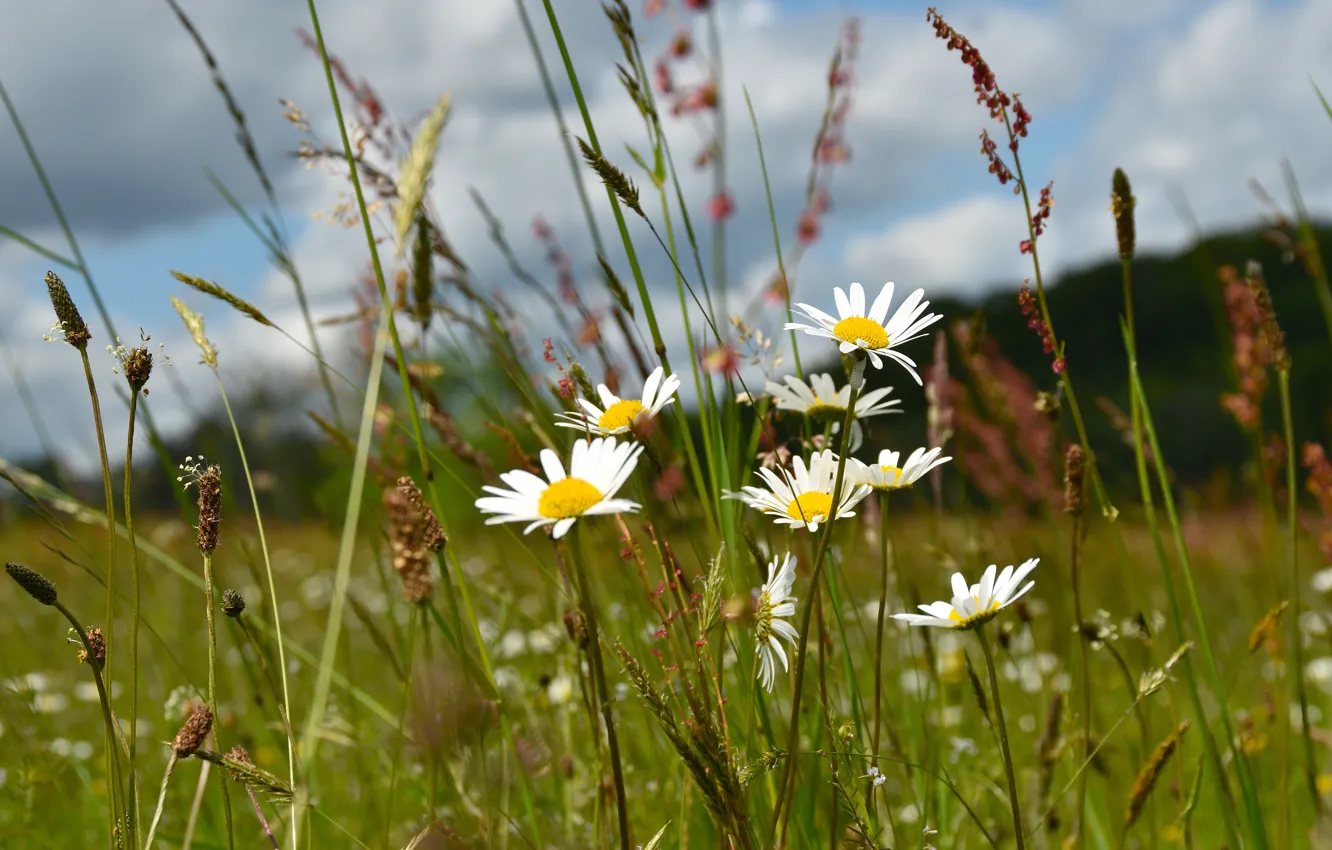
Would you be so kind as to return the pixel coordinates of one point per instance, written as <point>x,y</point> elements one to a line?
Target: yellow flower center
<point>810,507</point>
<point>621,414</point>
<point>861,328</point>
<point>826,412</point>
<point>568,497</point>
<point>763,618</point>
<point>962,622</point>
<point>891,475</point>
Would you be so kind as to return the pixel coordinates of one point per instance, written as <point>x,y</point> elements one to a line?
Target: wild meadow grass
<point>602,592</point>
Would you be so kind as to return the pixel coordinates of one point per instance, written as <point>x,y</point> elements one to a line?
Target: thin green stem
<point>777,247</point>
<point>110,500</point>
<point>134,610</point>
<point>886,560</point>
<point>1086,678</point>
<point>785,791</point>
<point>1136,407</point>
<point>603,693</point>
<point>285,707</point>
<point>212,685</point>
<point>1253,810</point>
<point>1107,508</point>
<point>1292,557</point>
<point>1003,737</point>
<point>114,776</point>
<point>631,254</point>
<point>161,800</point>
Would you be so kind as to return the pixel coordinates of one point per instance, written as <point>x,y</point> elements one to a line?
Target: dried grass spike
<point>207,287</point>
<point>416,168</point>
<point>616,288</point>
<point>407,544</point>
<point>1151,772</point>
<point>191,736</point>
<point>1266,629</point>
<point>613,177</point>
<point>210,508</point>
<point>1122,203</point>
<point>433,532</point>
<point>70,322</point>
<point>194,323</point>
<point>33,582</point>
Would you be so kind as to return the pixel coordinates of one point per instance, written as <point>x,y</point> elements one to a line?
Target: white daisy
<point>597,470</point>
<point>821,401</point>
<point>774,602</point>
<point>620,414</point>
<point>855,328</point>
<point>974,605</point>
<point>887,475</point>
<point>803,497</point>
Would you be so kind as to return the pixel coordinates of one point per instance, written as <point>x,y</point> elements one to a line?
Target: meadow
<point>590,591</point>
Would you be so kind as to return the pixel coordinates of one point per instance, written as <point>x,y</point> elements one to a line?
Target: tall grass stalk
<point>630,253</point>
<point>212,686</point>
<point>1296,636</point>
<point>285,707</point>
<point>1252,809</point>
<point>115,777</point>
<point>589,607</point>
<point>1107,508</point>
<point>776,237</point>
<point>786,790</point>
<point>1002,729</point>
<point>110,500</point>
<point>1075,547</point>
<point>134,616</point>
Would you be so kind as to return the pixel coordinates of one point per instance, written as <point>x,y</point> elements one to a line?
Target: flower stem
<point>1086,680</point>
<point>212,686</point>
<point>782,811</point>
<point>1003,736</point>
<point>886,555</point>
<point>603,694</point>
<point>134,608</point>
<point>114,777</point>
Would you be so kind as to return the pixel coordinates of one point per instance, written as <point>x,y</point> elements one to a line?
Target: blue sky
<point>1199,95</point>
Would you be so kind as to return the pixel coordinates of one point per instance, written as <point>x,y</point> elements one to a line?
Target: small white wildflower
<point>875,775</point>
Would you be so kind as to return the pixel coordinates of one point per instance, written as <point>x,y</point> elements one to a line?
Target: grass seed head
<point>138,367</point>
<point>95,652</point>
<point>1121,207</point>
<point>33,582</point>
<point>1151,772</point>
<point>433,534</point>
<point>67,315</point>
<point>210,510</point>
<point>407,542</point>
<point>233,604</point>
<point>191,736</point>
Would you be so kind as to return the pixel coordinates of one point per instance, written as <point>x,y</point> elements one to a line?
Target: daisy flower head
<point>975,605</point>
<point>821,401</point>
<point>597,469</point>
<point>871,331</point>
<point>804,496</point>
<point>888,475</point>
<point>619,415</point>
<point>775,602</point>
